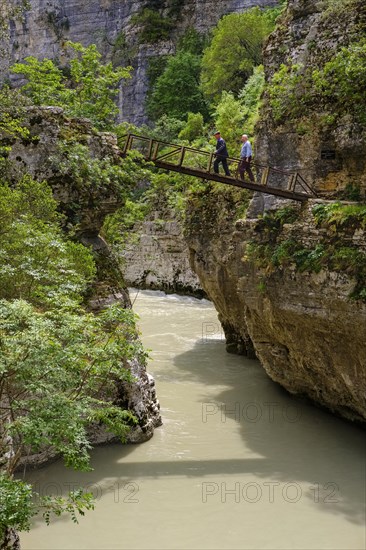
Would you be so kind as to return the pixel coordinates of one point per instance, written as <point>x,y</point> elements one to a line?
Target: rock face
<point>156,257</point>
<point>328,153</point>
<point>11,540</point>
<point>85,208</point>
<point>304,328</point>
<point>302,324</point>
<point>108,24</point>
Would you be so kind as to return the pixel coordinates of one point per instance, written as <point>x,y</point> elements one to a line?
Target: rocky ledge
<point>305,324</point>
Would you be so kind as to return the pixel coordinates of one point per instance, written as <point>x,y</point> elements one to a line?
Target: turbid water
<point>237,464</point>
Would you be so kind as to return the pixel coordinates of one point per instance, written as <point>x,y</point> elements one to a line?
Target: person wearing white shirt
<point>246,157</point>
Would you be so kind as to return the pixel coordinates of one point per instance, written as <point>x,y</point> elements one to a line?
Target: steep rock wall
<point>304,328</point>
<point>107,23</point>
<point>311,33</point>
<point>156,257</point>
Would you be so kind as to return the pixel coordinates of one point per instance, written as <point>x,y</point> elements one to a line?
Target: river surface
<point>237,464</point>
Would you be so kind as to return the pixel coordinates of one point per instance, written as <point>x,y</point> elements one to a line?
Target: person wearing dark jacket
<point>221,154</point>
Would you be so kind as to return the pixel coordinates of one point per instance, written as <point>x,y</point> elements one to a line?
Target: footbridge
<point>199,163</point>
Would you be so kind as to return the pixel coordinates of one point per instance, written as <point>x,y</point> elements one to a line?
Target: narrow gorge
<point>305,322</point>
<point>184,343</point>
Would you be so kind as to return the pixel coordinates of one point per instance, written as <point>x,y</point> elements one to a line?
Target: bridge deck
<point>199,163</point>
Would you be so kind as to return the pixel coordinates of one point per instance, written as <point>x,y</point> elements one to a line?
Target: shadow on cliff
<point>298,442</point>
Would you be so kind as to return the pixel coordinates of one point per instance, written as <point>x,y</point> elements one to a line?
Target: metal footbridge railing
<point>199,163</point>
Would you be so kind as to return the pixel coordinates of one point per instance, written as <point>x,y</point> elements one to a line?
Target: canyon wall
<point>156,257</point>
<point>303,325</point>
<point>305,322</point>
<point>110,25</point>
<point>322,142</point>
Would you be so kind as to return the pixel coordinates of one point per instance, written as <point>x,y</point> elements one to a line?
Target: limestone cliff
<point>302,325</point>
<point>326,145</point>
<point>156,257</point>
<point>278,289</point>
<point>85,207</point>
<point>110,25</point>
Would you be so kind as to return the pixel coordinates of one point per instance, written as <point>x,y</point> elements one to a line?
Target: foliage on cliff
<point>12,122</point>
<point>152,25</point>
<point>328,82</point>
<point>8,11</point>
<point>334,250</point>
<point>335,89</point>
<point>235,49</point>
<point>88,88</point>
<point>59,364</point>
<point>157,20</point>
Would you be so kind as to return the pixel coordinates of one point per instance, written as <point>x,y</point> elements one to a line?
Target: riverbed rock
<point>10,540</point>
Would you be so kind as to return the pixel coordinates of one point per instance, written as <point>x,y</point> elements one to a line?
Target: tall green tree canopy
<point>237,116</point>
<point>235,49</point>
<point>177,91</point>
<point>87,89</point>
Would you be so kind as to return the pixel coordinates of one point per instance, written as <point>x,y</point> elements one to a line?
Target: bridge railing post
<point>127,145</point>
<point>181,158</point>
<point>155,150</point>
<point>265,174</point>
<point>209,164</point>
<point>292,181</point>
<point>149,151</point>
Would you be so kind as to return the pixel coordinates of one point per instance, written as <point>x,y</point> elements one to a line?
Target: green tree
<point>235,117</point>
<point>235,49</point>
<point>60,366</point>
<point>37,262</point>
<point>89,90</point>
<point>46,82</point>
<point>167,128</point>
<point>229,118</point>
<point>194,127</point>
<point>58,375</point>
<point>250,98</point>
<point>177,91</point>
